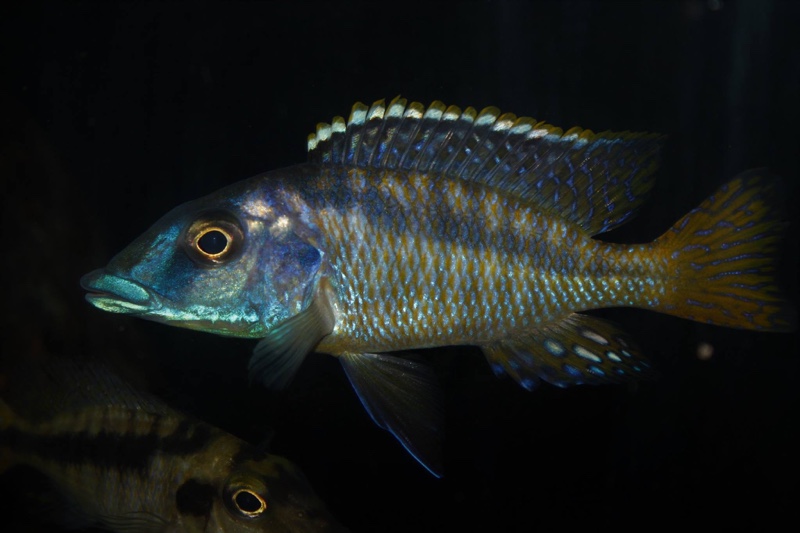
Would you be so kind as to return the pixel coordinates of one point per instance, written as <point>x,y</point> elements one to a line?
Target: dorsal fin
<point>596,180</point>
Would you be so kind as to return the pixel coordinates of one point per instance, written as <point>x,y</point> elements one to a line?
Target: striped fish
<point>124,461</point>
<point>414,227</point>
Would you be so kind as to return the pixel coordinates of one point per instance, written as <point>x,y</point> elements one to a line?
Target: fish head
<point>230,263</point>
<point>272,494</point>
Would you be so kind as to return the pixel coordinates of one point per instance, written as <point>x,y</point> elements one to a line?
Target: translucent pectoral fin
<point>578,349</point>
<point>402,397</point>
<point>79,508</point>
<point>278,356</point>
<point>139,521</point>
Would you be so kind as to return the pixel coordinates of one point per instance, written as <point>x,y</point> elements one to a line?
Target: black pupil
<point>247,502</point>
<point>212,242</point>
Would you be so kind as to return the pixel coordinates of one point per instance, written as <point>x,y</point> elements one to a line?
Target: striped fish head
<point>262,493</point>
<point>230,263</point>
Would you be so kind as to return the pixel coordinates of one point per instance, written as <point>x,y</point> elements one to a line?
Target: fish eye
<point>246,503</point>
<point>213,242</point>
<point>214,238</point>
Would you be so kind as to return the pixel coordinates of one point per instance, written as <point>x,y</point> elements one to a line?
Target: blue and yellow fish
<point>413,227</point>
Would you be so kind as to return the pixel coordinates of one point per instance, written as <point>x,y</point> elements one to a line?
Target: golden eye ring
<point>213,242</point>
<point>250,504</point>
<point>214,239</point>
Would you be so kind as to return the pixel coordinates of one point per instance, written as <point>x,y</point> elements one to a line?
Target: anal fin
<point>576,350</point>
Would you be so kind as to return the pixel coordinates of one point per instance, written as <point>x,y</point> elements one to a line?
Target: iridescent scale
<point>450,227</point>
<point>421,260</point>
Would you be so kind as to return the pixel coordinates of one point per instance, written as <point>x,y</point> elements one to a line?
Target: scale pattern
<point>420,260</point>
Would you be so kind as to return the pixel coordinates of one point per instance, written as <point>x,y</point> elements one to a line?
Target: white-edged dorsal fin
<point>597,180</point>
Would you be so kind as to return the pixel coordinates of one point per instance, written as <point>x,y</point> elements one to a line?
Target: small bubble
<point>704,351</point>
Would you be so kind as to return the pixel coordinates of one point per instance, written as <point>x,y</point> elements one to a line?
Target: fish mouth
<point>118,295</point>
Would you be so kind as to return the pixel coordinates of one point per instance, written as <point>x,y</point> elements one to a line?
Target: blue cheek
<point>172,276</point>
<point>290,265</point>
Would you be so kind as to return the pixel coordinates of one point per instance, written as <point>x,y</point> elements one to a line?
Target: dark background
<point>111,113</point>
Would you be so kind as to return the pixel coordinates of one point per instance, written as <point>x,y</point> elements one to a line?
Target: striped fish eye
<point>249,503</point>
<point>214,238</point>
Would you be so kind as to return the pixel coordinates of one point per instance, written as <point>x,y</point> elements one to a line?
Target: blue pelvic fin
<point>596,180</point>
<point>277,357</point>
<point>402,397</point>
<point>579,349</point>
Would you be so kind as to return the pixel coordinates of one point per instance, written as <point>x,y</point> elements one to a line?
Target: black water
<point>114,112</point>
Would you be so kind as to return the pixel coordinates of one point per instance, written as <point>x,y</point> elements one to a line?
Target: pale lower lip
<point>114,305</point>
<point>117,295</point>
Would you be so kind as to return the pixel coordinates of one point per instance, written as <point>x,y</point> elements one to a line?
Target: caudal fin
<point>724,255</point>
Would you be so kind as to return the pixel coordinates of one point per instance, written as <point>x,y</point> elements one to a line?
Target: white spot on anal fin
<point>594,336</point>
<point>554,347</point>
<point>580,351</point>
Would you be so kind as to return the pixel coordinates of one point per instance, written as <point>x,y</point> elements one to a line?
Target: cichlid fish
<point>124,461</point>
<point>411,228</point>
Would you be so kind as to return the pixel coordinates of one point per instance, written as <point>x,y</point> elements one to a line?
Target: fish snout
<point>118,295</point>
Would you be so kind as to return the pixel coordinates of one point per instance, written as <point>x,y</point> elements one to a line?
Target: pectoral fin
<point>402,397</point>
<point>578,349</point>
<point>77,509</point>
<point>278,356</point>
<point>139,521</point>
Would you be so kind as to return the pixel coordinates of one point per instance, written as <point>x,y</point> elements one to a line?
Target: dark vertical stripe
<point>195,498</point>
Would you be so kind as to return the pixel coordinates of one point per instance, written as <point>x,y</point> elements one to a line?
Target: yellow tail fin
<point>724,255</point>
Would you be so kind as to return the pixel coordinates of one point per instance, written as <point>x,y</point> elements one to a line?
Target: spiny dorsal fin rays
<point>392,119</point>
<point>596,180</point>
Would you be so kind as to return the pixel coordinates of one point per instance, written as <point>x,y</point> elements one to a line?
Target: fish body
<point>126,462</point>
<point>414,227</point>
<point>443,262</point>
